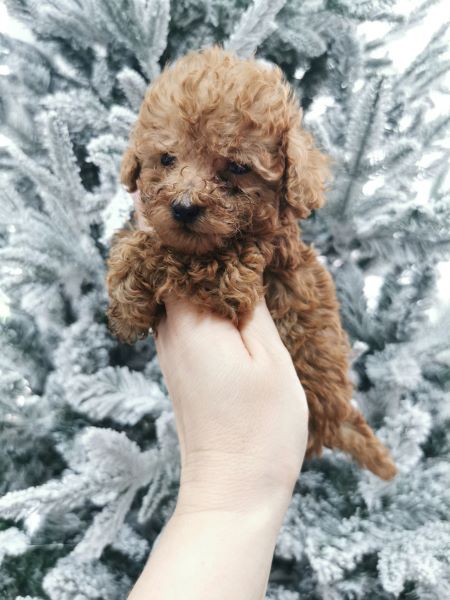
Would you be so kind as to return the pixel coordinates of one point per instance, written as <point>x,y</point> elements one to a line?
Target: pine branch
<point>117,393</point>
<point>256,24</point>
<point>358,138</point>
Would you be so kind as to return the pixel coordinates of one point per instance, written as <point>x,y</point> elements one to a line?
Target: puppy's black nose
<point>185,213</point>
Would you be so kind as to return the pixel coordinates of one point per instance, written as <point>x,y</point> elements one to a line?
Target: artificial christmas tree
<point>88,450</point>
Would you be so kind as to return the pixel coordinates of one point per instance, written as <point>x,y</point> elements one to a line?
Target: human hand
<point>240,409</point>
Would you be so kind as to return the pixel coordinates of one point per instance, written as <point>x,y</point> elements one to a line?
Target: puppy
<point>223,171</point>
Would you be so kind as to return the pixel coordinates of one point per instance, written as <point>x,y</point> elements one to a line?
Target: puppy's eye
<point>167,159</point>
<point>238,169</point>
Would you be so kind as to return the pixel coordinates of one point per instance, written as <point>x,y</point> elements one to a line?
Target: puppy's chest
<point>190,272</point>
<point>232,268</point>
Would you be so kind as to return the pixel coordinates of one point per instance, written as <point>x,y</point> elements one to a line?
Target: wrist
<point>234,483</point>
<point>261,523</point>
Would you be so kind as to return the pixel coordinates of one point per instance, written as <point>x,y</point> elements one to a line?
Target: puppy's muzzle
<point>184,211</point>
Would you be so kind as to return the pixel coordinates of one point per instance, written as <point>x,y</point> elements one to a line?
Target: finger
<point>138,211</point>
<point>160,334</point>
<point>258,331</point>
<point>136,199</point>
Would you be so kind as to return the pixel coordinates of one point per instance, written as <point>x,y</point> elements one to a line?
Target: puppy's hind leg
<point>355,437</point>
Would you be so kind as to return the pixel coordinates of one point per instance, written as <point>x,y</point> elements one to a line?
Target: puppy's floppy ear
<point>130,169</point>
<point>305,174</point>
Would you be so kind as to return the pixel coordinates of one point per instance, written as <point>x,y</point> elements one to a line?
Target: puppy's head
<point>218,151</point>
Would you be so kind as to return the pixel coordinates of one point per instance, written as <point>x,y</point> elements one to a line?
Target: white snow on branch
<point>256,24</point>
<point>118,393</point>
<point>75,579</point>
<point>12,543</point>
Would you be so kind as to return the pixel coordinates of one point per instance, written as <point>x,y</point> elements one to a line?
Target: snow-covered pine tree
<point>88,450</point>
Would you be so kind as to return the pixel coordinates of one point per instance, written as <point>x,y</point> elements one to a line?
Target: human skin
<point>242,422</point>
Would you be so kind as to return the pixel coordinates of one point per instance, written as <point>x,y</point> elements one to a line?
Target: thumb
<point>141,223</point>
<point>258,331</point>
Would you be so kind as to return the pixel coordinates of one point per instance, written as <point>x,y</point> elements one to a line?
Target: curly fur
<point>205,110</point>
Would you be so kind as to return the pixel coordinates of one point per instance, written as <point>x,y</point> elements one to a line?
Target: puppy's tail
<point>355,437</point>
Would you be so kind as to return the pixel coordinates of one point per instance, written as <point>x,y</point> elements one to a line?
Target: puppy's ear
<point>130,169</point>
<point>306,172</point>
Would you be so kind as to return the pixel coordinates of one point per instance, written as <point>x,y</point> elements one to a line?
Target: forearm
<point>212,555</point>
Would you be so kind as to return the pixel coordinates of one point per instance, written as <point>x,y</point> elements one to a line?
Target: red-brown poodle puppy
<point>224,170</point>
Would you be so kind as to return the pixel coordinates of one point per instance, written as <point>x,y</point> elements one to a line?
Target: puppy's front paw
<point>132,307</point>
<point>236,290</point>
<point>126,328</point>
